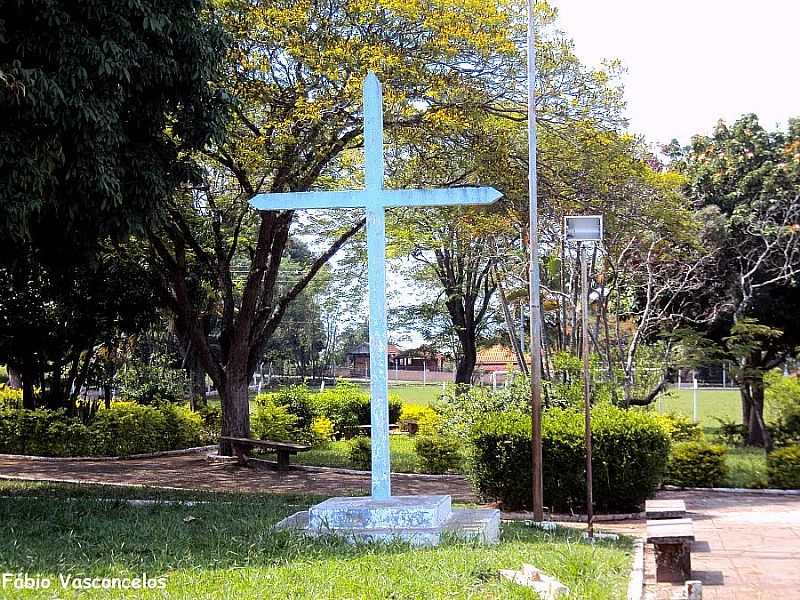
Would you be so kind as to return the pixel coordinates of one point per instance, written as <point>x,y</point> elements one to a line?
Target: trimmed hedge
<point>630,450</point>
<point>697,464</point>
<point>125,429</point>
<point>783,467</point>
<point>346,406</point>
<point>437,453</point>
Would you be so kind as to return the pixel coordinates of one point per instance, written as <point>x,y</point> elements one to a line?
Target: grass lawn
<point>225,549</point>
<point>747,468</point>
<point>403,456</point>
<point>417,394</point>
<point>724,404</point>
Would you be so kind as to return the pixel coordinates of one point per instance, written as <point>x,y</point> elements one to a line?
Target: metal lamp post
<point>586,230</point>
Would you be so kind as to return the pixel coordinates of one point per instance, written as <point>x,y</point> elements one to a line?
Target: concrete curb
<point>180,452</point>
<point>557,518</point>
<point>636,583</point>
<point>765,491</point>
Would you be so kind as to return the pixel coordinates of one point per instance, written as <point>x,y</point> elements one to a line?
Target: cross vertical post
<point>376,259</point>
<point>374,198</point>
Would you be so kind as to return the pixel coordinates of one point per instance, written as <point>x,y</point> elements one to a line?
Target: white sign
<point>584,228</point>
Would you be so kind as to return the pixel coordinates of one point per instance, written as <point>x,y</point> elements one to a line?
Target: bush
<point>124,429</point>
<point>360,453</point>
<point>630,449</point>
<point>460,408</point>
<point>153,381</point>
<point>299,401</point>
<point>212,418</point>
<point>681,428</point>
<point>321,431</point>
<point>426,419</point>
<point>697,464</point>
<point>782,397</point>
<point>271,421</point>
<point>438,454</point>
<point>783,467</point>
<point>731,433</point>
<point>348,406</point>
<point>9,397</point>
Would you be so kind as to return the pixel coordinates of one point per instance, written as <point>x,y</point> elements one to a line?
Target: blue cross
<point>375,199</point>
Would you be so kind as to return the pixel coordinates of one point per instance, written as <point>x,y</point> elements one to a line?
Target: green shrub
<point>348,406</point>
<point>9,397</point>
<point>461,407</point>
<point>321,431</point>
<point>630,449</point>
<point>212,417</point>
<point>124,429</point>
<point>426,420</point>
<point>438,454</point>
<point>782,396</point>
<point>731,433</point>
<point>299,401</point>
<point>681,428</point>
<point>271,421</point>
<point>783,467</point>
<point>360,453</point>
<point>152,381</point>
<point>697,464</point>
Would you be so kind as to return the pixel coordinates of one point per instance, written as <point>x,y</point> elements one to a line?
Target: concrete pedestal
<point>418,520</point>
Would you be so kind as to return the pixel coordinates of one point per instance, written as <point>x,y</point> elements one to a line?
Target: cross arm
<point>375,198</point>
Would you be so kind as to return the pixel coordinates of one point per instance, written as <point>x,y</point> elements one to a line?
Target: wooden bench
<point>282,449</point>
<point>665,509</point>
<point>672,539</point>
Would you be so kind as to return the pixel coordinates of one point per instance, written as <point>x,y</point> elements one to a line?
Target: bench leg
<point>283,460</point>
<point>673,562</point>
<point>241,454</point>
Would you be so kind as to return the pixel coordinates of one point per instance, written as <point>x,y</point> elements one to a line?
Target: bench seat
<point>665,509</point>
<point>672,539</point>
<point>282,449</point>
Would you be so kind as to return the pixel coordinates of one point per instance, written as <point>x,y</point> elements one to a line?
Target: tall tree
<point>747,182</point>
<point>295,71</point>
<point>101,104</point>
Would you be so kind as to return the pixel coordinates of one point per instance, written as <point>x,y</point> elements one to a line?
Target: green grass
<point>227,550</point>
<point>712,404</point>
<point>403,456</point>
<point>417,394</point>
<point>747,468</point>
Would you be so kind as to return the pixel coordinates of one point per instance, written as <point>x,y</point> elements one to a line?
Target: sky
<point>692,62</point>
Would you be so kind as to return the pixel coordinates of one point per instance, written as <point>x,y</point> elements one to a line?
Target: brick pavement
<point>193,471</point>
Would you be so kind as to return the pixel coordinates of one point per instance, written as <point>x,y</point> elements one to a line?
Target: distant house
<point>423,358</point>
<point>358,358</point>
<point>496,358</point>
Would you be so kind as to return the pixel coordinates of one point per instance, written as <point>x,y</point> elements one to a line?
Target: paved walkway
<point>747,548</point>
<point>193,471</point>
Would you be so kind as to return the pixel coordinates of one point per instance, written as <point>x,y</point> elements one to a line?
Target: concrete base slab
<point>395,512</point>
<point>365,520</point>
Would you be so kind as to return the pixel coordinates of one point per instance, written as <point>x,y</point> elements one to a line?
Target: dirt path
<point>192,471</point>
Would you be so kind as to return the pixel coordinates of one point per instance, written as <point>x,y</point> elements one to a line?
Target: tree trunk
<point>235,402</point>
<point>466,363</point>
<point>198,380</point>
<point>747,402</point>
<point>107,394</point>
<point>28,400</point>
<point>14,378</point>
<point>757,434</point>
